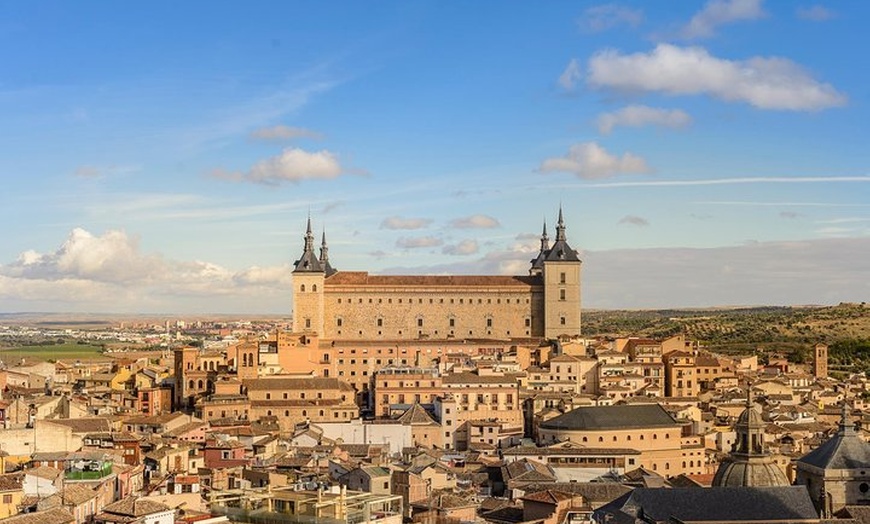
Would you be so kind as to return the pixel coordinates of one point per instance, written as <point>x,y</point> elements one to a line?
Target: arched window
<point>600,439</point>
<point>286,412</point>
<point>585,439</point>
<point>190,384</point>
<point>321,412</point>
<point>304,412</point>
<point>302,288</point>
<point>199,384</point>
<point>314,288</point>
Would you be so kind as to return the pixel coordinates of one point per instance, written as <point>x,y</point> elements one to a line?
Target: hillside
<point>788,330</point>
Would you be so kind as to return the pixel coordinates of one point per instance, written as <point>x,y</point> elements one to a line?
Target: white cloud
<point>607,16</point>
<point>108,272</point>
<point>741,181</point>
<point>720,12</point>
<point>405,223</point>
<point>589,160</point>
<point>765,83</point>
<point>475,222</point>
<point>88,172</point>
<point>633,220</point>
<point>418,242</point>
<point>282,132</point>
<point>639,115</point>
<point>815,13</point>
<point>93,171</point>
<point>570,76</point>
<point>292,165</point>
<point>465,247</point>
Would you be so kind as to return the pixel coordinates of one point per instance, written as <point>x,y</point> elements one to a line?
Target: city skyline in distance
<point>703,156</point>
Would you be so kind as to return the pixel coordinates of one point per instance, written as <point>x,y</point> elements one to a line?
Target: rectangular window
<point>419,322</point>
<point>452,322</point>
<point>488,322</point>
<point>380,322</point>
<point>307,322</point>
<point>562,320</point>
<point>561,278</point>
<point>561,294</point>
<point>338,322</point>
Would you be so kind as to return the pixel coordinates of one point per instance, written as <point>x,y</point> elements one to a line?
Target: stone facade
<point>358,306</point>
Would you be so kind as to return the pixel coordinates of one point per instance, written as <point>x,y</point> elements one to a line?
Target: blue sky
<point>158,157</point>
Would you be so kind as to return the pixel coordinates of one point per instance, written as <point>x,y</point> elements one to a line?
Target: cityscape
<point>430,262</point>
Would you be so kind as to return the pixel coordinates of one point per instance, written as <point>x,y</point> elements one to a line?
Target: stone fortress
<point>354,305</point>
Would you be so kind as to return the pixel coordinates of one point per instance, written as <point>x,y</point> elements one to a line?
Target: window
<point>452,322</point>
<point>314,288</point>
<point>302,288</point>
<point>489,322</point>
<point>308,323</point>
<point>562,320</point>
<point>380,322</point>
<point>338,322</point>
<point>419,322</point>
<point>561,294</point>
<point>561,278</point>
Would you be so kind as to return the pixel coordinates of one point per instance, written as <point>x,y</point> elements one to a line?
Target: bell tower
<point>308,278</point>
<point>561,274</point>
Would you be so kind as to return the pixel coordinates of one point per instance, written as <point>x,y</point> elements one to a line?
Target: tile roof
<point>598,418</point>
<point>786,503</point>
<point>135,507</point>
<point>362,278</point>
<point>51,516</point>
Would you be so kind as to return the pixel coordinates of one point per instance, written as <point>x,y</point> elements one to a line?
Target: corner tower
<point>308,277</point>
<point>560,270</point>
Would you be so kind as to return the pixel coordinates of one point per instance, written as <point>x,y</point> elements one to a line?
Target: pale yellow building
<point>355,305</point>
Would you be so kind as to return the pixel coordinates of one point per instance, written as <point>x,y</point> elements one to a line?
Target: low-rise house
<point>134,510</point>
<point>371,479</point>
<point>11,494</point>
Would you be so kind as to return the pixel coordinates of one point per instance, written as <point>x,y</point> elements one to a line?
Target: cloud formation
<point>570,76</point>
<point>282,132</point>
<point>607,16</point>
<point>765,83</point>
<point>418,242</point>
<point>465,247</point>
<point>815,13</point>
<point>291,165</point>
<point>108,272</point>
<point>588,160</point>
<point>640,115</point>
<point>721,12</point>
<point>475,222</point>
<point>633,220</point>
<point>395,222</point>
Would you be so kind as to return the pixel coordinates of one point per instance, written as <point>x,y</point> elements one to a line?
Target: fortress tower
<point>353,305</point>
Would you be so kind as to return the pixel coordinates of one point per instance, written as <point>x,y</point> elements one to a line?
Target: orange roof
<point>362,278</point>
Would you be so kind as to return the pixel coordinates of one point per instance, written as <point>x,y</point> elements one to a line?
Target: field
<point>52,352</point>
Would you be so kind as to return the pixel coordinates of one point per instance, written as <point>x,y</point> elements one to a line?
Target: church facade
<point>354,305</point>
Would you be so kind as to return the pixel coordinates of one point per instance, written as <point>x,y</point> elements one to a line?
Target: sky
<point>158,157</point>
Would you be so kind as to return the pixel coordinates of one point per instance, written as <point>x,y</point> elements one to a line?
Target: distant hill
<point>727,330</point>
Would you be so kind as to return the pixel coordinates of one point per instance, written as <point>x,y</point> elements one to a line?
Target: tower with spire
<point>558,266</point>
<point>309,274</point>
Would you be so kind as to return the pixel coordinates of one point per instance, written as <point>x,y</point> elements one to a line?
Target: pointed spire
<point>846,425</point>
<point>324,250</point>
<point>308,261</point>
<point>309,237</point>
<point>545,240</point>
<point>560,227</point>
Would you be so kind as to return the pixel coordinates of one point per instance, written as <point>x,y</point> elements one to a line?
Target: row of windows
<point>313,288</point>
<point>451,322</point>
<point>628,437</point>
<point>322,413</point>
<point>431,300</point>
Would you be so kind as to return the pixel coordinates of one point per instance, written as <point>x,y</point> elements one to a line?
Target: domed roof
<point>749,473</point>
<point>750,417</point>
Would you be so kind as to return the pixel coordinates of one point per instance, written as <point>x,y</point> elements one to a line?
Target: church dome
<point>750,417</point>
<point>749,473</point>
